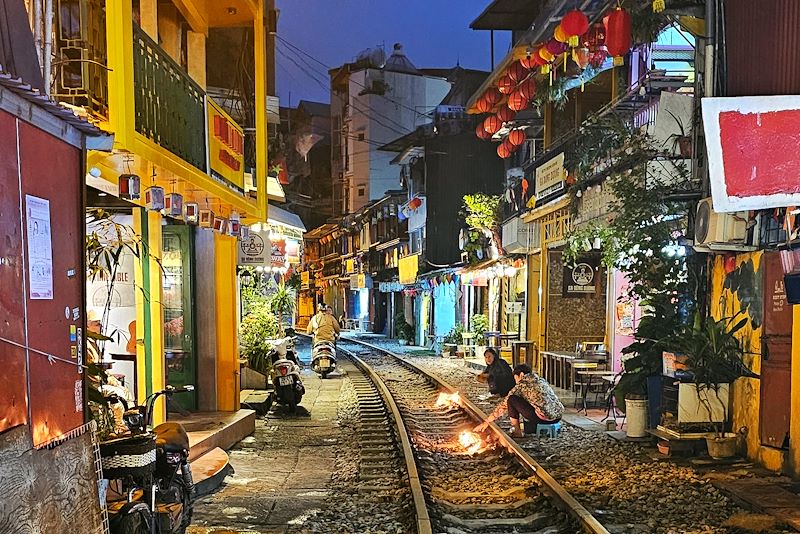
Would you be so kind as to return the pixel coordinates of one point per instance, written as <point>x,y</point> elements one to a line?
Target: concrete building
<point>372,103</point>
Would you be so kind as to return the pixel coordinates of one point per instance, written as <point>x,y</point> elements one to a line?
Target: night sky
<point>434,33</point>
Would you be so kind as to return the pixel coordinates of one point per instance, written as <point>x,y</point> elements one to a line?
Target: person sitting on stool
<point>497,373</point>
<point>532,398</point>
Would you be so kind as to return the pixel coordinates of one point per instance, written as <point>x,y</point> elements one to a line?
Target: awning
<point>508,15</point>
<point>286,218</point>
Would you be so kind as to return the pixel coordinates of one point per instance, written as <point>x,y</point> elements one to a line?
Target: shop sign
<point>390,287</point>
<point>360,281</point>
<point>305,279</point>
<point>580,280</point>
<point>253,251</point>
<point>225,146</point>
<point>514,308</point>
<point>408,268</point>
<point>278,252</point>
<point>752,151</point>
<point>292,251</point>
<point>550,177</point>
<point>350,266</point>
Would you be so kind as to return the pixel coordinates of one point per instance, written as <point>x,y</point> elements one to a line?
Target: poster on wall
<point>580,280</point>
<point>278,252</point>
<point>40,248</point>
<point>253,251</point>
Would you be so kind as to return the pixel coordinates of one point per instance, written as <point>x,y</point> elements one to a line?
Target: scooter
<point>286,382</point>
<point>323,357</point>
<point>153,469</point>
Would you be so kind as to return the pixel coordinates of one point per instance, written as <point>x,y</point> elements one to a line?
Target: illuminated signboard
<point>226,146</point>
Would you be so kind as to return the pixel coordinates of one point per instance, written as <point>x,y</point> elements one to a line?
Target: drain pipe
<point>711,36</point>
<point>37,29</point>
<point>48,44</point>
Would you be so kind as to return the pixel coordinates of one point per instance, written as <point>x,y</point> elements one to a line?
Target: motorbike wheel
<point>291,400</point>
<point>324,374</point>
<point>185,493</point>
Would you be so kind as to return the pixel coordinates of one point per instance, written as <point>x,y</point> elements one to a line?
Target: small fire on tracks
<point>471,441</point>
<point>448,400</point>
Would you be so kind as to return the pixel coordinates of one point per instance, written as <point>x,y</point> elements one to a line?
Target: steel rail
<point>562,497</point>
<point>423,521</point>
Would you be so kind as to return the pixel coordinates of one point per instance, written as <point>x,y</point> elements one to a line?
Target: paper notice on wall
<point>40,248</point>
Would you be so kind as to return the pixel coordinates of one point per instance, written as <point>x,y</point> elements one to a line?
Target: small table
<point>528,348</point>
<point>586,386</point>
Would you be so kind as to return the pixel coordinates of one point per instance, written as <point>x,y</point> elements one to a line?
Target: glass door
<point>178,297</point>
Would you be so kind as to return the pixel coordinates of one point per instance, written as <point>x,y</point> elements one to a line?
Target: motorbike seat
<point>172,437</point>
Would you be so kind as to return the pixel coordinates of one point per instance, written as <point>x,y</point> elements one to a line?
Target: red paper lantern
<point>505,84</point>
<point>575,23</point>
<point>481,132</point>
<point>527,89</point>
<point>504,150</point>
<point>516,137</point>
<point>618,33</point>
<point>483,105</point>
<point>517,101</point>
<point>492,124</point>
<point>538,60</point>
<point>505,114</point>
<point>529,61</point>
<point>555,47</point>
<point>517,72</point>
<point>492,96</point>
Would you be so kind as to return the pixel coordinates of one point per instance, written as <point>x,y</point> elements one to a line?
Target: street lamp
<point>246,278</point>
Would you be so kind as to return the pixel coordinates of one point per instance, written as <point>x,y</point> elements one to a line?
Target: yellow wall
<point>746,392</point>
<point>227,324</point>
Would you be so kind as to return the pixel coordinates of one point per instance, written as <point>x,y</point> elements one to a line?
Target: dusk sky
<point>434,33</point>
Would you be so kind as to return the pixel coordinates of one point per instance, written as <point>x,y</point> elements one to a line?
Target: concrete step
<point>209,470</point>
<point>209,430</point>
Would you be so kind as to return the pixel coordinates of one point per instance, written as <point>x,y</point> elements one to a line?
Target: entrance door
<point>181,359</point>
<point>776,356</point>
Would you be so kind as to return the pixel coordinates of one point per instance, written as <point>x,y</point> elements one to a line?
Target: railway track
<point>458,485</point>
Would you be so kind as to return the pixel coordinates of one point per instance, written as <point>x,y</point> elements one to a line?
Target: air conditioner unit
<point>719,231</point>
<point>518,236</point>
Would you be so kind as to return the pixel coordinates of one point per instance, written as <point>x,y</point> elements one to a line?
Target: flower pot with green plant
<point>715,359</point>
<point>453,339</point>
<point>479,324</point>
<point>403,330</point>
<point>255,331</point>
<point>282,303</point>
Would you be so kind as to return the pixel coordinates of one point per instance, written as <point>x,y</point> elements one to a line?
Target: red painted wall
<point>49,169</point>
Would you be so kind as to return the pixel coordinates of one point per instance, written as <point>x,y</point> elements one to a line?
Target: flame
<point>448,399</point>
<point>471,441</point>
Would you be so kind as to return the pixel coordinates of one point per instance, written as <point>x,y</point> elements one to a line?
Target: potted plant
<point>282,302</point>
<point>479,324</point>
<point>453,339</point>
<point>681,142</point>
<point>642,360</point>
<point>403,330</point>
<point>715,359</point>
<point>256,329</point>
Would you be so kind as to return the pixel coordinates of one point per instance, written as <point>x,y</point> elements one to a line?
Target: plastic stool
<point>550,430</point>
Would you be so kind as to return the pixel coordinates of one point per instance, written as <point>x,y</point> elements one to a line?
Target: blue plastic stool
<point>550,430</point>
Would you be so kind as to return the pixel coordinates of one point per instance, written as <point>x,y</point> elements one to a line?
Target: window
<point>361,191</point>
<point>361,136</point>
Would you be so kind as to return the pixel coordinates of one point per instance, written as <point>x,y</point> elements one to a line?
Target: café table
<point>586,385</point>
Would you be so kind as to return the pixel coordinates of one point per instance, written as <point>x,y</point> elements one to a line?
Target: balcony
<point>169,105</point>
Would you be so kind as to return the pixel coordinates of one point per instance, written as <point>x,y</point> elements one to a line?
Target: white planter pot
<point>636,414</point>
<point>479,350</point>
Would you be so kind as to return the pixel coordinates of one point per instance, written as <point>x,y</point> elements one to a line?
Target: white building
<point>372,103</point>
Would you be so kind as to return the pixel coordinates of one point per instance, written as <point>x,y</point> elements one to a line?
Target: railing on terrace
<point>170,106</point>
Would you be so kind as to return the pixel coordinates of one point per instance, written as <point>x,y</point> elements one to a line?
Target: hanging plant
<point>482,212</point>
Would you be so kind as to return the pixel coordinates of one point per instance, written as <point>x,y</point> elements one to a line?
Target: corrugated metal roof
<point>43,101</point>
<point>284,217</point>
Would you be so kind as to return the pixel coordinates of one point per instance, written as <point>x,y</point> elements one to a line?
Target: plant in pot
<point>642,360</point>
<point>479,324</point>
<point>682,141</point>
<point>256,329</point>
<point>404,331</point>
<point>453,339</point>
<point>282,302</point>
<point>715,359</point>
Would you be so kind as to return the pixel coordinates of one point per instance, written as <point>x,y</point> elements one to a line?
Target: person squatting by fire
<point>532,398</point>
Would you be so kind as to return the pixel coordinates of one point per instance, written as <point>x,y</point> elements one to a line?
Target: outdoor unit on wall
<point>519,237</point>
<point>719,231</point>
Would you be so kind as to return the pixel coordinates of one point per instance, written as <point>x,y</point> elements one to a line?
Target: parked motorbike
<point>152,471</point>
<point>323,357</point>
<point>285,374</point>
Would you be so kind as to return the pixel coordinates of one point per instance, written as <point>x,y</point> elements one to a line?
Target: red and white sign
<point>754,151</point>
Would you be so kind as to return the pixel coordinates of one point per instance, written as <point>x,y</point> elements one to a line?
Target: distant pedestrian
<point>532,398</point>
<point>497,374</point>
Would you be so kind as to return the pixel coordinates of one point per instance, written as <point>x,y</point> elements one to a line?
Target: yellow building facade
<point>170,133</point>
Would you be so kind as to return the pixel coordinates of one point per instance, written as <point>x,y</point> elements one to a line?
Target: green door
<point>178,298</point>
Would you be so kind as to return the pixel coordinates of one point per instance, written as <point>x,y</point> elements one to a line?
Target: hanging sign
<point>225,146</point>
<point>580,280</point>
<point>408,268</point>
<point>254,250</point>
<point>550,176</point>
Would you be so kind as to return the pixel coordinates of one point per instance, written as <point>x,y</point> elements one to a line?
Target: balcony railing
<point>170,106</point>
